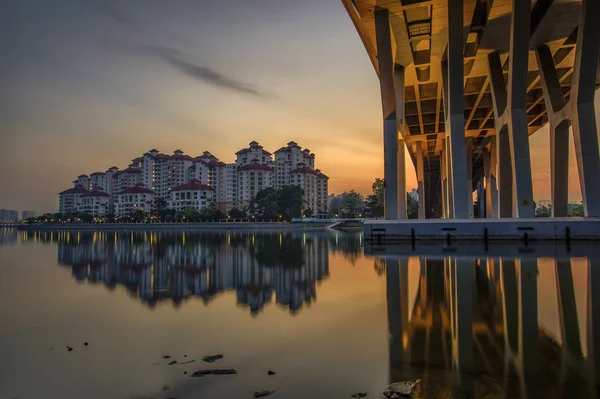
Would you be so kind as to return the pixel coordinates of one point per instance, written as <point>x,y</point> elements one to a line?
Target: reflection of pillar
<point>397,306</point>
<point>508,281</point>
<point>583,118</point>
<point>390,134</point>
<point>567,308</point>
<point>529,341</point>
<point>593,318</point>
<point>461,311</point>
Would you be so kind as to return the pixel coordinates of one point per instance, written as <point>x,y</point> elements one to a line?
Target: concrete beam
<point>517,103</point>
<point>583,116</point>
<point>388,104</point>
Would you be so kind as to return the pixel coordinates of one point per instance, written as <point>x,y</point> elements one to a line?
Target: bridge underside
<point>463,85</point>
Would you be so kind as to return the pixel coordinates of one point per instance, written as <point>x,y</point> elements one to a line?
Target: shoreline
<point>205,226</point>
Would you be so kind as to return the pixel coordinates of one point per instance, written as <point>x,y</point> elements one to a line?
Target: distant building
<point>233,184</point>
<point>27,214</point>
<point>132,199</point>
<point>8,216</point>
<point>193,195</point>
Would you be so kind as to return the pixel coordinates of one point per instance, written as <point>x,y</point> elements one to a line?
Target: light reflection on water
<point>479,322</point>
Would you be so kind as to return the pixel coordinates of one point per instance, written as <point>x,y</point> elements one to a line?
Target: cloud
<point>199,72</point>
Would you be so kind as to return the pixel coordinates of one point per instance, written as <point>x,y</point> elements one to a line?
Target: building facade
<point>95,202</point>
<point>27,214</point>
<point>193,195</point>
<point>8,216</point>
<point>233,184</point>
<point>132,199</point>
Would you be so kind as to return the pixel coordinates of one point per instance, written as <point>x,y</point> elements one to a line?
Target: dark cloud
<point>199,72</point>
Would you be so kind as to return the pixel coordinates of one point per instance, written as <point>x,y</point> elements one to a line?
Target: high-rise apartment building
<point>232,184</point>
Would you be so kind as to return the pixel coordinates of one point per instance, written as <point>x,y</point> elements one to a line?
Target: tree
<point>266,205</point>
<point>353,201</point>
<point>138,216</point>
<point>307,212</point>
<point>86,217</point>
<point>576,210</point>
<point>236,213</point>
<point>190,215</point>
<point>335,206</point>
<point>375,201</point>
<point>543,212</point>
<point>166,214</point>
<point>290,200</point>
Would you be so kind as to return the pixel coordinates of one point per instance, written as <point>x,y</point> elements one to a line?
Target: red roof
<point>78,189</point>
<point>304,170</point>
<point>322,176</point>
<point>282,149</point>
<point>215,163</point>
<point>95,193</point>
<point>137,189</point>
<point>128,170</point>
<point>112,167</point>
<point>181,157</point>
<point>80,176</point>
<point>138,159</point>
<point>96,173</point>
<point>194,185</point>
<point>256,166</point>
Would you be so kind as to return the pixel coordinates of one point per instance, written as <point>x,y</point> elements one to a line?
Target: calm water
<point>329,320</point>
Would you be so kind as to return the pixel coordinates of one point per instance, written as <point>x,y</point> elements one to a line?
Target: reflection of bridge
<point>158,267</point>
<point>463,85</point>
<point>482,316</point>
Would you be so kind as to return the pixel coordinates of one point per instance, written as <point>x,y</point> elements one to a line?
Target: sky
<point>91,84</point>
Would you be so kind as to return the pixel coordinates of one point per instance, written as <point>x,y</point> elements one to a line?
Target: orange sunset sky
<point>88,85</point>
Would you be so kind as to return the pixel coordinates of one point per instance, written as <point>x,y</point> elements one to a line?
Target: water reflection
<point>494,327</point>
<point>161,267</point>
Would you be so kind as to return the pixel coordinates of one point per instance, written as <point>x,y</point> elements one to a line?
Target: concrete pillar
<point>583,116</point>
<point>444,185</point>
<point>454,88</point>
<point>469,145</point>
<point>390,134</point>
<point>491,194</point>
<point>449,180</point>
<point>517,103</point>
<point>421,180</point>
<point>504,174</point>
<point>400,155</point>
<point>559,132</point>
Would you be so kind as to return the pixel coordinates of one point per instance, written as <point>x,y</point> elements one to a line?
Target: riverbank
<point>208,226</point>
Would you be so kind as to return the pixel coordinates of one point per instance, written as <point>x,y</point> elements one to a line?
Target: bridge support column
<point>517,101</point>
<point>400,154</point>
<point>444,180</point>
<point>491,193</point>
<point>559,131</point>
<point>470,144</point>
<point>453,88</point>
<point>390,134</point>
<point>583,119</point>
<point>421,180</point>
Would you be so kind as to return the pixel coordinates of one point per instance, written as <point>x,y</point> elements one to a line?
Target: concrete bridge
<point>463,85</point>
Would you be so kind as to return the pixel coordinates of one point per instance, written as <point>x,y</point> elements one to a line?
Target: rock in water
<point>172,362</point>
<point>400,389</point>
<point>69,348</point>
<point>212,359</point>
<point>359,395</point>
<point>263,393</point>
<point>202,373</point>
<point>271,372</point>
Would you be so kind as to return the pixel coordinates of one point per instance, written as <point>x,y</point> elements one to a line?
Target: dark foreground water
<point>312,307</point>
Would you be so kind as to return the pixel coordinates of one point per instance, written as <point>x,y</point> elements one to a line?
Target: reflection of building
<point>157,267</point>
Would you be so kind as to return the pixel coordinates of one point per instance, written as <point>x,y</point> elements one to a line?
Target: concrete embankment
<point>175,226</point>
